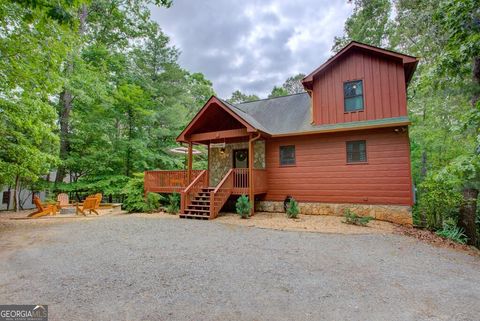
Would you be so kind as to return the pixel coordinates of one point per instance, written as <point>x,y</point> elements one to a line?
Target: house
<point>341,144</point>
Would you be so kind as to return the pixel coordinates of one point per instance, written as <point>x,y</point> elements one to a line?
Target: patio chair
<point>90,204</point>
<point>62,200</point>
<point>42,209</point>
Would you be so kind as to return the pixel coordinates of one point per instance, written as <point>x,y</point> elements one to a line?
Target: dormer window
<point>353,96</point>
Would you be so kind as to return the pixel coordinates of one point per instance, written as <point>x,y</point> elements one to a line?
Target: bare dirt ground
<point>308,223</point>
<point>158,267</point>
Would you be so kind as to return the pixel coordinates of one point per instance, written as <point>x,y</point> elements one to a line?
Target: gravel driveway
<point>145,268</point>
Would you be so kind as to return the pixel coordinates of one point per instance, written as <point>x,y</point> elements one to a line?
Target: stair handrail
<point>185,194</point>
<point>214,210</point>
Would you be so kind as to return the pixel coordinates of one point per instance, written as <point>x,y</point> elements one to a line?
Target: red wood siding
<point>384,89</point>
<point>321,173</point>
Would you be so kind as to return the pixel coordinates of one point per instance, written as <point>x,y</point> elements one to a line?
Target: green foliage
<point>293,84</point>
<point>107,74</point>
<point>173,203</point>
<point>278,92</point>
<point>451,231</point>
<point>354,219</point>
<point>439,199</point>
<point>369,23</point>
<point>292,208</point>
<point>243,206</point>
<point>135,201</point>
<point>239,97</point>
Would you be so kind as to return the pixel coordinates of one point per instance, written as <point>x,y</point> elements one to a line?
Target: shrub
<point>451,231</point>
<point>292,208</point>
<point>173,203</point>
<point>243,206</point>
<point>135,201</point>
<point>439,199</point>
<point>354,219</point>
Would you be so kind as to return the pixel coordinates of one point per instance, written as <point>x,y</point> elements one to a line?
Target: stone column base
<point>398,214</point>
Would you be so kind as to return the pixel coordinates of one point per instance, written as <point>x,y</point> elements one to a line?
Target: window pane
<point>353,104</point>
<point>353,95</point>
<point>287,155</point>
<point>353,88</point>
<point>356,151</point>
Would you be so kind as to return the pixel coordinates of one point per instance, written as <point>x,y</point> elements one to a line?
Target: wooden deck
<point>176,181</point>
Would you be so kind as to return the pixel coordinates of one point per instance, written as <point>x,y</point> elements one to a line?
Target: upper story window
<point>287,155</point>
<point>353,95</point>
<point>357,151</point>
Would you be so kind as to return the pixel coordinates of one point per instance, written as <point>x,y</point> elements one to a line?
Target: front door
<point>240,158</point>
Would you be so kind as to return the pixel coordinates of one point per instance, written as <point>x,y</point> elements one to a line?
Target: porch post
<point>251,193</point>
<point>190,160</point>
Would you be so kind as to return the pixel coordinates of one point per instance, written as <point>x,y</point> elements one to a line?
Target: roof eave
<point>343,129</point>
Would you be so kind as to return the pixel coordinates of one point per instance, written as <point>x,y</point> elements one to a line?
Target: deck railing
<point>192,190</point>
<point>221,193</point>
<point>167,181</point>
<point>241,181</point>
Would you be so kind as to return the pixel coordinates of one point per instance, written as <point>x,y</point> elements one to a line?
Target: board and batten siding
<point>321,173</point>
<point>384,89</point>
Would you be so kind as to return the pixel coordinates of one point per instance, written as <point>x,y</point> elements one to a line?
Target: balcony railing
<point>176,181</point>
<point>167,181</point>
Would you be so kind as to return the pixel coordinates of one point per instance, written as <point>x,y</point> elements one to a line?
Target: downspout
<point>251,190</point>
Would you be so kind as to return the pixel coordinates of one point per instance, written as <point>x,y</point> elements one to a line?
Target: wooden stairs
<point>200,206</point>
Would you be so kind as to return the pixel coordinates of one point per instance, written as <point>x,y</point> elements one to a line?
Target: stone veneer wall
<point>221,164</point>
<point>391,213</point>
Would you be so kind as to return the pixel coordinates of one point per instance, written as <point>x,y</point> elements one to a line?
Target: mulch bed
<point>432,238</point>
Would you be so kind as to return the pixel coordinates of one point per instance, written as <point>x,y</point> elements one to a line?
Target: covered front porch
<point>236,163</point>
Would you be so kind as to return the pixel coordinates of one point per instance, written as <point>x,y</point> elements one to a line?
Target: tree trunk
<point>8,201</point>
<point>66,99</point>
<point>16,195</point>
<point>65,109</point>
<point>466,219</point>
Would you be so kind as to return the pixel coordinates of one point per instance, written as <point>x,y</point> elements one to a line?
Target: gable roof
<point>221,104</point>
<point>288,116</point>
<point>409,62</point>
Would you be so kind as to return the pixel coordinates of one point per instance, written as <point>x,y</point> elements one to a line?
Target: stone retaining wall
<point>391,213</point>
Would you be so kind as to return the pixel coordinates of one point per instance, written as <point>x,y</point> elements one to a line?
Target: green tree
<point>32,45</point>
<point>369,23</point>
<point>278,92</point>
<point>239,97</point>
<point>293,85</point>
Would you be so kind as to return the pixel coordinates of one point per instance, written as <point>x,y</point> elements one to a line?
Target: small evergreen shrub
<point>243,206</point>
<point>451,231</point>
<point>292,208</point>
<point>173,203</point>
<point>354,219</point>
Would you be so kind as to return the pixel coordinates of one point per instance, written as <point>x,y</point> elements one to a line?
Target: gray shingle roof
<point>291,115</point>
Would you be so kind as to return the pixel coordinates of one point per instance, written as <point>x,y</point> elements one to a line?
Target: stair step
<point>195,210</point>
<point>201,201</point>
<point>193,216</point>
<point>198,205</point>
